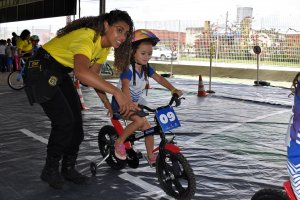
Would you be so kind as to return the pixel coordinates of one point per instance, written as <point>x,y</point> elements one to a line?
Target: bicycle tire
<point>181,183</point>
<point>270,194</point>
<point>106,140</point>
<point>15,80</point>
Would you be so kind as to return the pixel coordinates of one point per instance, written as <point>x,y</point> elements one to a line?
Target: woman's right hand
<point>125,104</point>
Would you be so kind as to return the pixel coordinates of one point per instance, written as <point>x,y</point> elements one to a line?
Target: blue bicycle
<point>15,78</point>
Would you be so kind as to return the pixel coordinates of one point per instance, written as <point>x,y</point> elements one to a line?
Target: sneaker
<point>120,151</point>
<point>152,160</point>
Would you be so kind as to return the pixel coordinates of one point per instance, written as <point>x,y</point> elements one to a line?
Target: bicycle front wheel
<point>175,175</point>
<point>15,80</point>
<point>270,194</point>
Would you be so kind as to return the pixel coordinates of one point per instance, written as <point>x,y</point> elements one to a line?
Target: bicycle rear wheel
<point>15,80</point>
<point>106,140</point>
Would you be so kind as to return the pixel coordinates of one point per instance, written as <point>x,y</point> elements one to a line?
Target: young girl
<point>293,149</point>
<point>133,81</point>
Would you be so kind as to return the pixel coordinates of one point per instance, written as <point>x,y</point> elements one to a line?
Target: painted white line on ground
<point>34,136</point>
<point>215,131</point>
<point>4,93</point>
<point>152,190</point>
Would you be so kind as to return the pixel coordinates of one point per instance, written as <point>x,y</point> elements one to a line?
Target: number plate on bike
<point>167,119</point>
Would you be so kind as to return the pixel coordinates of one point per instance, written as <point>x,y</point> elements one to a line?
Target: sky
<point>281,14</point>
<point>198,9</point>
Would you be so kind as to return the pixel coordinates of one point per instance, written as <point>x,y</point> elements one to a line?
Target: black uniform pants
<point>64,111</point>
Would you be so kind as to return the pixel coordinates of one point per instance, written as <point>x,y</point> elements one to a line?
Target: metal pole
<point>102,7</point>
<point>171,64</point>
<point>79,9</point>
<point>210,66</point>
<point>257,79</point>
<point>211,51</point>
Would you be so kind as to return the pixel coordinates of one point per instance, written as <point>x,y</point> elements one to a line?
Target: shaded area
<point>12,11</point>
<point>234,141</point>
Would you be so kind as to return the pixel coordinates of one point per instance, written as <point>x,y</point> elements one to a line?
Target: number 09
<point>165,118</point>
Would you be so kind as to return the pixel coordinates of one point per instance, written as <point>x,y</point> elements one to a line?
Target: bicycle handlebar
<point>174,98</point>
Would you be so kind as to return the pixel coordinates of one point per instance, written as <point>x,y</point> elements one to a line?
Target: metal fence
<point>198,40</point>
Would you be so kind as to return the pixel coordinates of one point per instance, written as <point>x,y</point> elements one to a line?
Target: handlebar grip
<point>177,100</point>
<point>142,107</point>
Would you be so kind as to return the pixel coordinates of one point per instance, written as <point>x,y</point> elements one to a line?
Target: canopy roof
<point>19,10</point>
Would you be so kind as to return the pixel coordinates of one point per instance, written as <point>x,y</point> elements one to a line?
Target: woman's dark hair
<point>24,35</point>
<point>97,24</point>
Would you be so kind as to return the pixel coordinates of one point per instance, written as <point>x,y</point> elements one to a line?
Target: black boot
<point>70,173</point>
<point>50,173</point>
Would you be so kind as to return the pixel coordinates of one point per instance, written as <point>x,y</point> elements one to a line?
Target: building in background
<point>242,13</point>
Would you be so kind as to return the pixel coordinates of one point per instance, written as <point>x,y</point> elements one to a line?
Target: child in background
<point>293,149</point>
<point>133,81</point>
<point>9,52</point>
<point>2,55</point>
<point>35,44</point>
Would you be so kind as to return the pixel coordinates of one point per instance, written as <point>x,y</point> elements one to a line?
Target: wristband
<point>172,91</point>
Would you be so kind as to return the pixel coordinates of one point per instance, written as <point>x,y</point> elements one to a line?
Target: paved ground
<point>222,136</point>
<point>3,78</point>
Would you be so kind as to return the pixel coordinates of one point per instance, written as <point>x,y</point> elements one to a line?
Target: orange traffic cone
<point>201,91</point>
<point>77,85</point>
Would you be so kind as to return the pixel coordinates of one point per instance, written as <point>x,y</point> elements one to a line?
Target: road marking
<point>34,136</point>
<point>4,93</point>
<point>195,139</point>
<point>152,190</point>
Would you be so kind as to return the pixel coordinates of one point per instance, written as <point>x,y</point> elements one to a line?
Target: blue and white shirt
<point>293,149</point>
<point>136,90</point>
<point>294,145</point>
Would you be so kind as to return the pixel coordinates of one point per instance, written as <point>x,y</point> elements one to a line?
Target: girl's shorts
<point>115,107</point>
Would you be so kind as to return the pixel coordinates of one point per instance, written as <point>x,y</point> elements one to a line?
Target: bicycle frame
<point>22,69</point>
<point>15,78</point>
<point>151,131</point>
<point>289,190</point>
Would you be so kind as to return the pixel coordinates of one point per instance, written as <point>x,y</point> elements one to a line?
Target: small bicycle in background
<point>15,78</point>
<point>272,194</point>
<point>174,173</point>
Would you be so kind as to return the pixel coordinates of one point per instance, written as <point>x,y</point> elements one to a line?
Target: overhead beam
<point>20,10</point>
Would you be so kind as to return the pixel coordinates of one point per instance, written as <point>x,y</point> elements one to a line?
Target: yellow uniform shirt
<point>24,45</point>
<point>79,41</point>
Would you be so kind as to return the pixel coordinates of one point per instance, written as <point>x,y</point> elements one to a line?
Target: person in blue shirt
<point>293,143</point>
<point>35,44</point>
<point>133,81</point>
